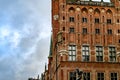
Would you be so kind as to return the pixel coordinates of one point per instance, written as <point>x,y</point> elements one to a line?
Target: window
<point>63,17</point>
<point>97,31</point>
<point>113,76</point>
<point>109,31</point>
<point>112,54</point>
<point>86,76</point>
<point>72,53</point>
<point>118,21</point>
<point>100,76</point>
<point>72,76</point>
<point>85,53</point>
<point>64,38</point>
<point>109,21</point>
<point>63,28</point>
<point>96,20</point>
<point>84,30</point>
<point>118,31</point>
<point>84,19</point>
<point>119,40</point>
<point>99,53</point>
<point>71,19</point>
<point>71,30</point>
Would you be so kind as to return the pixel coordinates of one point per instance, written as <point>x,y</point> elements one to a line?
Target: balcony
<point>89,3</point>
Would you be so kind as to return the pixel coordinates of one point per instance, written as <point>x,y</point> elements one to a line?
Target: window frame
<point>97,20</point>
<point>112,57</point>
<point>88,77</point>
<point>109,31</point>
<point>84,30</point>
<point>118,31</point>
<point>71,29</point>
<point>97,31</point>
<point>72,76</point>
<point>72,52</point>
<point>114,77</point>
<point>71,19</point>
<point>85,53</point>
<point>84,20</point>
<point>109,21</point>
<point>99,54</point>
<point>100,76</point>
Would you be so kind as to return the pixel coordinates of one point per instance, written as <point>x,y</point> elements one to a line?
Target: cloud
<point>25,31</point>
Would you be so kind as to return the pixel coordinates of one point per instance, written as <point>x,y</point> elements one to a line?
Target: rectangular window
<point>118,30</point>
<point>119,40</point>
<point>113,76</point>
<point>71,19</point>
<point>72,76</point>
<point>109,31</point>
<point>84,19</point>
<point>100,76</point>
<point>86,76</point>
<point>112,54</point>
<point>63,28</point>
<point>72,53</point>
<point>109,21</point>
<point>118,21</point>
<point>85,53</point>
<point>84,30</point>
<point>71,30</point>
<point>99,53</point>
<point>63,17</point>
<point>96,20</point>
<point>97,31</point>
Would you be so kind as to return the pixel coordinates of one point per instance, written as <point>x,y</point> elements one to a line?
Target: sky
<point>25,30</point>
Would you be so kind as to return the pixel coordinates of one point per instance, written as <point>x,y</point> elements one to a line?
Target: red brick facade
<point>86,35</point>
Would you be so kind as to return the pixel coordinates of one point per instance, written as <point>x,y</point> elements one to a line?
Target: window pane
<point>74,48</point>
<point>87,53</point>
<point>73,53</point>
<point>69,47</point>
<point>101,54</point>
<point>70,53</point>
<point>83,53</point>
<point>87,48</point>
<point>70,58</point>
<point>83,48</point>
<point>74,58</point>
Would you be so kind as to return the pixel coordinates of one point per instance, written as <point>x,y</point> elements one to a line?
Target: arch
<point>77,8</point>
<point>71,9</point>
<point>84,10</point>
<point>90,9</point>
<point>97,11</point>
<point>109,12</point>
<point>102,10</point>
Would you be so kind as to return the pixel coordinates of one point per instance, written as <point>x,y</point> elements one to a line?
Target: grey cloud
<point>31,18</point>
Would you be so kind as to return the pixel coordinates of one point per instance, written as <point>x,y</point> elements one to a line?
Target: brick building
<point>85,36</point>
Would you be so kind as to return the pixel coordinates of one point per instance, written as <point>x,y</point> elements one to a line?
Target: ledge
<point>90,64</point>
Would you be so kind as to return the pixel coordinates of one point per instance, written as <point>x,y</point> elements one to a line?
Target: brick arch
<point>103,9</point>
<point>96,12</point>
<point>71,9</point>
<point>84,10</point>
<point>109,12</point>
<point>90,9</point>
<point>78,8</point>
